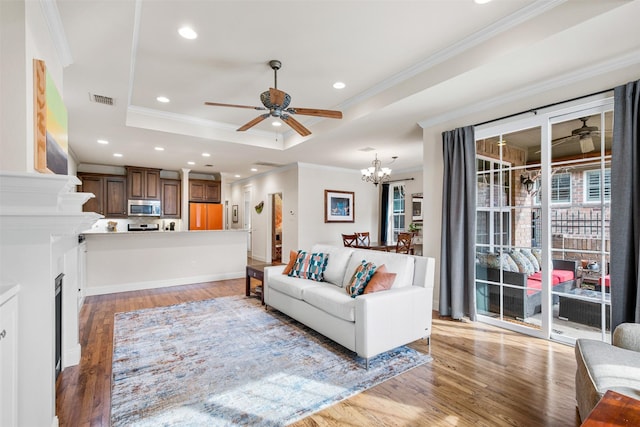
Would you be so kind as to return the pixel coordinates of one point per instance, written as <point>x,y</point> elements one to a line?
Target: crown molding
<point>618,63</point>
<point>522,15</point>
<point>56,30</point>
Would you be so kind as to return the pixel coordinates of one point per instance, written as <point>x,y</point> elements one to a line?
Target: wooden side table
<point>255,272</point>
<point>614,409</point>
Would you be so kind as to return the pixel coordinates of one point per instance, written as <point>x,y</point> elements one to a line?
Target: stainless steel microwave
<point>144,208</point>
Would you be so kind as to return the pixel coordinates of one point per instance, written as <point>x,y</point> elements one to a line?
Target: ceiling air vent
<point>269,164</point>
<point>101,99</point>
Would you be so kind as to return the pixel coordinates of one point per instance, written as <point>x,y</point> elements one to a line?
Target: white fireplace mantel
<point>37,211</point>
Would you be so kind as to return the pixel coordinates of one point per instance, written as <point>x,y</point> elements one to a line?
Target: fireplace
<point>58,314</point>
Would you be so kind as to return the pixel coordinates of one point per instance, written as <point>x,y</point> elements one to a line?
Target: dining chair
<point>403,245</point>
<point>363,239</point>
<point>349,240</point>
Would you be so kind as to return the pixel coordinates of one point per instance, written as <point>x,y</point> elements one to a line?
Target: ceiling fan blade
<point>253,122</point>
<point>217,104</point>
<point>295,125</point>
<point>276,96</point>
<point>331,114</point>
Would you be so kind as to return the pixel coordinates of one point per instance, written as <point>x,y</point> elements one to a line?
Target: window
<point>492,200</point>
<point>560,188</point>
<point>592,185</point>
<point>396,210</point>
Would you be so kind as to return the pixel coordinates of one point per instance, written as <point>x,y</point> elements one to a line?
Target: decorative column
<point>185,198</point>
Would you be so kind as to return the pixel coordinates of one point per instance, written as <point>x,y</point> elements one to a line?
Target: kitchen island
<point>129,261</point>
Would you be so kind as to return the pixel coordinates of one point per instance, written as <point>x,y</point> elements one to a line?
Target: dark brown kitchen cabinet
<point>110,194</point>
<point>204,191</point>
<point>144,183</point>
<point>170,198</point>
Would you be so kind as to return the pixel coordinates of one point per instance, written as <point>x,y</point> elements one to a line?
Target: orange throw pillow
<point>380,281</point>
<point>293,255</point>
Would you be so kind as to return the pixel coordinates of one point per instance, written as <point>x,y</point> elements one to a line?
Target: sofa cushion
<point>380,281</point>
<point>292,286</point>
<point>337,264</point>
<point>402,265</point>
<point>332,300</point>
<point>310,265</point>
<point>360,278</point>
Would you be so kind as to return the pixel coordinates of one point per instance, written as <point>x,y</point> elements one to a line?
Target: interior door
<point>276,227</point>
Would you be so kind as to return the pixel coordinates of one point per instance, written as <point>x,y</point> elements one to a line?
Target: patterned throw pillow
<point>360,278</point>
<point>502,261</point>
<point>310,266</point>
<point>293,256</point>
<point>524,265</point>
<point>538,254</point>
<point>380,281</point>
<point>534,261</point>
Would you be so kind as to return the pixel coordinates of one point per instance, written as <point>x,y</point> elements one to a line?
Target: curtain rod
<point>535,110</point>
<point>398,180</point>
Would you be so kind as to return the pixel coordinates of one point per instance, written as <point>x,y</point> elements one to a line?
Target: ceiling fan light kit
<point>277,102</point>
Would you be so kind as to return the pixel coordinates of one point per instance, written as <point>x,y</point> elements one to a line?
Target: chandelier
<point>376,173</point>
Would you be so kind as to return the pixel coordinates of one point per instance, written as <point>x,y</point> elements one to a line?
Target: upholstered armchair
<point>602,367</point>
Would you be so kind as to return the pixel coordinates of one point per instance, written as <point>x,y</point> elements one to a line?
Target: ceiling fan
<point>582,134</point>
<point>277,103</point>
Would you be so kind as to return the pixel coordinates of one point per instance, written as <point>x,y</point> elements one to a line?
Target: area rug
<point>228,361</point>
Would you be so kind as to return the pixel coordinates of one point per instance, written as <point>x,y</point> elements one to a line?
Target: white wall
<point>312,181</point>
<point>282,180</point>
<point>24,36</point>
<point>302,187</point>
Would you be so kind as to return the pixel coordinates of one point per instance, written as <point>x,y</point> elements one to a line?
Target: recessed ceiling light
<point>162,99</point>
<point>188,33</point>
<point>206,155</point>
<point>191,163</point>
<point>339,85</point>
<point>158,148</point>
<point>482,1</point>
<point>103,141</point>
<point>117,155</point>
<point>276,124</point>
<point>254,170</point>
<point>236,176</point>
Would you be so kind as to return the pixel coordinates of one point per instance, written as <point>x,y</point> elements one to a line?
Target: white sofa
<point>368,324</point>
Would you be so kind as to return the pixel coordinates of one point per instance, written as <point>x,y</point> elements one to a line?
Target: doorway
<point>542,217</point>
<point>276,227</point>
<point>246,217</point>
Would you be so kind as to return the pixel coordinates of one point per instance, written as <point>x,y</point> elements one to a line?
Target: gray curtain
<point>625,206</point>
<point>457,262</point>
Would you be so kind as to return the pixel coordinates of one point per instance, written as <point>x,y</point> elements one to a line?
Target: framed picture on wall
<point>339,206</point>
<point>234,213</point>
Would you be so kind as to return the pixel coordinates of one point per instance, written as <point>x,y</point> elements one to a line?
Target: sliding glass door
<point>542,243</point>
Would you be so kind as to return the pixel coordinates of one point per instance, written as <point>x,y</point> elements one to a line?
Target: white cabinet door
<point>9,360</point>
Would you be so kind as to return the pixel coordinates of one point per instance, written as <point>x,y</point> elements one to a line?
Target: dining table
<point>377,246</point>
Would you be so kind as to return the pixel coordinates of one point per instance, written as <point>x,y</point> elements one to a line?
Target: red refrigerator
<point>205,216</point>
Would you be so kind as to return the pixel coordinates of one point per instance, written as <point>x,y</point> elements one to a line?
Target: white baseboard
<point>138,286</point>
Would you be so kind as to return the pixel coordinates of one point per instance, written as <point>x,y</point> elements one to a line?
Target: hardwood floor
<point>480,375</point>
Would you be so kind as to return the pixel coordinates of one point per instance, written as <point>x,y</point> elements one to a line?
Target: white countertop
<point>104,233</point>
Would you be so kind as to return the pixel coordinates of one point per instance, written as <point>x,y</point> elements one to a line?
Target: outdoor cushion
<point>534,282</point>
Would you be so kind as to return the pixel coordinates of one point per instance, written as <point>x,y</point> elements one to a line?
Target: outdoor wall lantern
<point>527,183</point>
